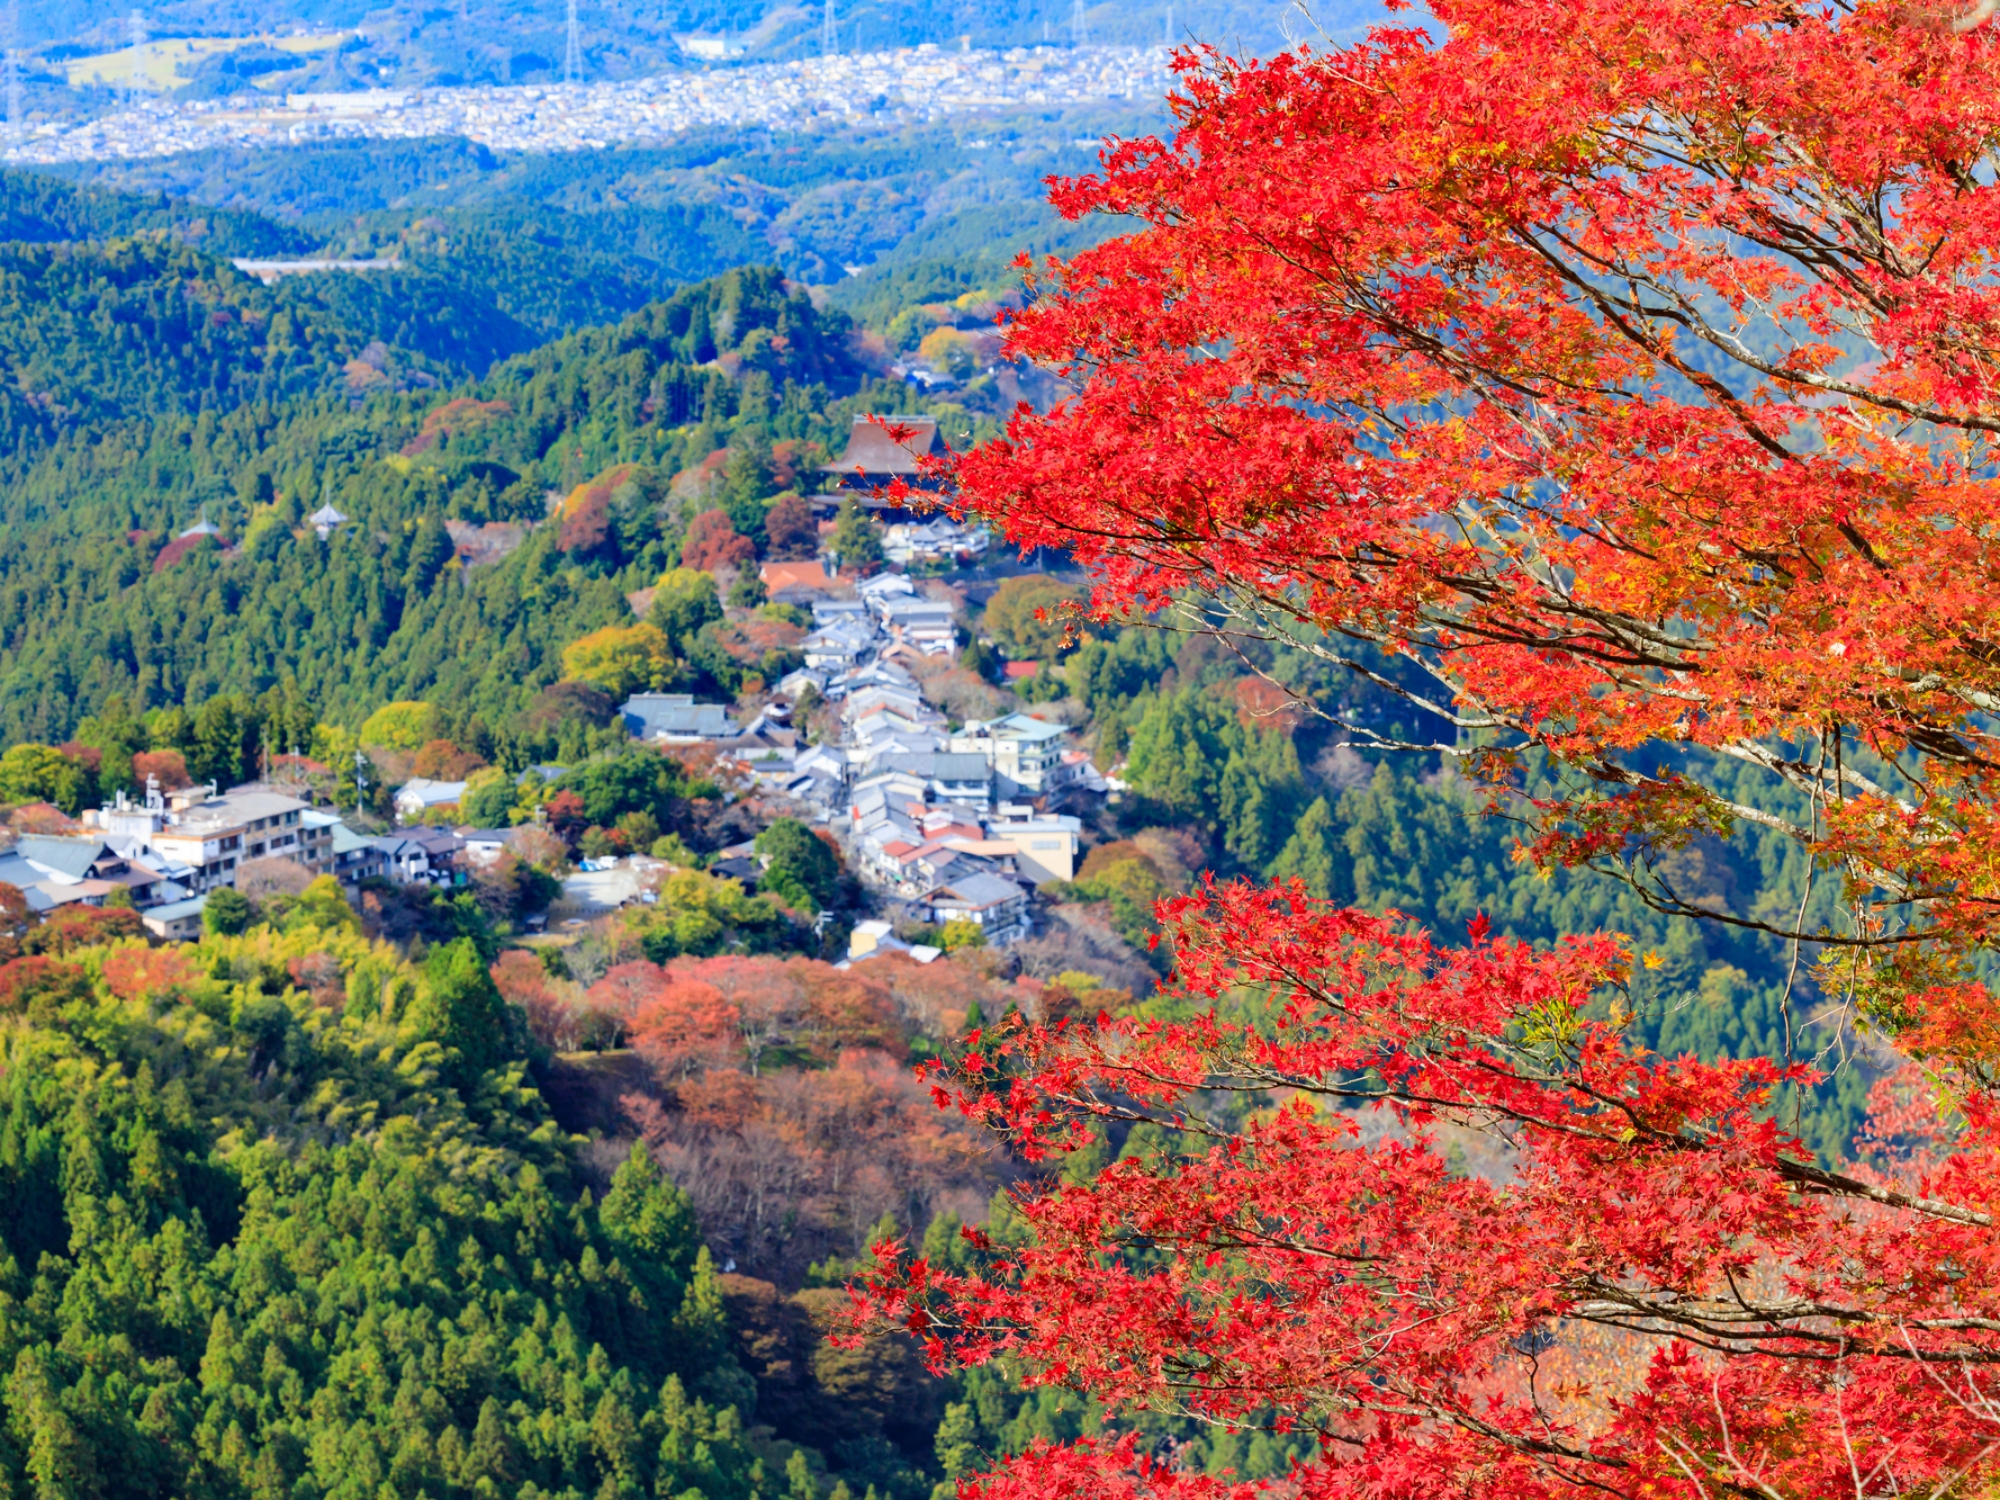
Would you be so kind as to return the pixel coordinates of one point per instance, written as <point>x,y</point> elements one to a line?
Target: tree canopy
<point>1614,370</point>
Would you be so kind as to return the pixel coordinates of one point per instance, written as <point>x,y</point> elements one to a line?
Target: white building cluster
<point>170,851</point>
<point>951,825</point>
<point>912,83</point>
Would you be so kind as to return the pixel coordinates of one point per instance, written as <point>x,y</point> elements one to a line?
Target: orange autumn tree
<point>1617,381</point>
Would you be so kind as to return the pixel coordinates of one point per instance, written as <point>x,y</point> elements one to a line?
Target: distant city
<point>919,83</point>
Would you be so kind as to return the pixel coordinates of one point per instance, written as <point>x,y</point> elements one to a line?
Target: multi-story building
<point>992,903</point>
<point>1026,754</point>
<point>357,857</point>
<point>208,835</point>
<point>1044,847</point>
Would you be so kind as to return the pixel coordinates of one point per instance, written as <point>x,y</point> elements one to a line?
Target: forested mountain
<point>552,271</point>
<point>307,1215</point>
<point>125,305</point>
<point>89,612</point>
<point>291,1213</point>
<point>41,209</point>
<point>260,1232</point>
<point>812,203</point>
<point>286,1216</point>
<point>97,333</point>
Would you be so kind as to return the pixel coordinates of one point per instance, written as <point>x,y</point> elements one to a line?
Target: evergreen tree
<point>1308,855</point>
<point>800,859</point>
<point>460,1010</point>
<point>218,752</point>
<point>227,912</point>
<point>746,483</point>
<point>857,540</point>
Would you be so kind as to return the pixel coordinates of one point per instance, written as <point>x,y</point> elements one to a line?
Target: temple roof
<point>872,450</point>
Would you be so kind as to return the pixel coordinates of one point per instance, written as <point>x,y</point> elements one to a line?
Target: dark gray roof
<point>961,768</point>
<point>915,763</point>
<point>648,715</point>
<point>979,890</point>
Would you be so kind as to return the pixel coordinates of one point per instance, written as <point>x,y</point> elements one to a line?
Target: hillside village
<point>948,823</point>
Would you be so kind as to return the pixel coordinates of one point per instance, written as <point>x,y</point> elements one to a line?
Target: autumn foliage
<point>712,543</point>
<point>1615,382</point>
<point>779,1092</point>
<point>137,972</point>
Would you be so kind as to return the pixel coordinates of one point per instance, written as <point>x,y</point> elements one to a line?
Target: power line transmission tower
<point>1079,28</point>
<point>1170,24</point>
<point>573,53</point>
<point>829,33</point>
<point>14,120</point>
<point>138,37</point>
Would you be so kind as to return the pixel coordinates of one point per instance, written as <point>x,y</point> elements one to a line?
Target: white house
<point>932,540</point>
<point>419,795</point>
<point>839,644</point>
<point>177,921</point>
<point>992,903</point>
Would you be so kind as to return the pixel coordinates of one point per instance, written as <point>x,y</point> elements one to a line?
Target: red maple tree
<point>1617,381</point>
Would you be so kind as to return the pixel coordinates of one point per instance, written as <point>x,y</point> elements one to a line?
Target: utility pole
<point>573,54</point>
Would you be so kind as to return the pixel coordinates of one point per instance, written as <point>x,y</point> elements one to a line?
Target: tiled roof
<point>961,768</point>
<point>978,891</point>
<point>788,575</point>
<point>174,911</point>
<point>871,449</point>
<point>71,857</point>
<point>647,715</point>
<point>430,793</point>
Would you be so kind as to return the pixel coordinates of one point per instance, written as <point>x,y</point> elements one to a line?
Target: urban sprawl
<point>919,83</point>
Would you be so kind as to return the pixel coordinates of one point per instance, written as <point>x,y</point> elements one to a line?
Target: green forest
<point>815,204</point>
<point>380,1199</point>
